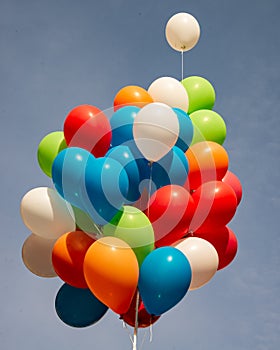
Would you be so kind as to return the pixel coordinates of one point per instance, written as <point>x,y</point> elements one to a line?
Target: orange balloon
<point>208,161</point>
<point>68,257</point>
<point>132,95</point>
<point>111,271</point>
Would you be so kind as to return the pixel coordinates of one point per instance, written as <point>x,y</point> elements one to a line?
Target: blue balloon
<point>78,307</point>
<point>124,156</point>
<point>106,184</point>
<point>186,129</point>
<point>68,174</point>
<point>172,169</point>
<point>165,277</point>
<point>122,124</point>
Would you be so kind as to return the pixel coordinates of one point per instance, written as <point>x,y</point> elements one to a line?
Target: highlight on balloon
<point>141,199</point>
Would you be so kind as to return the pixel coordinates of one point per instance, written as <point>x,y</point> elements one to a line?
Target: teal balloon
<point>68,174</point>
<point>124,156</point>
<point>172,169</point>
<point>165,277</point>
<point>186,130</point>
<point>78,307</point>
<point>122,124</point>
<point>106,183</point>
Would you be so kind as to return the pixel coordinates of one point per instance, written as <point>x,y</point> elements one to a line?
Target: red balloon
<point>144,318</point>
<point>232,180</point>
<point>215,203</point>
<point>223,240</point>
<point>68,257</point>
<point>87,127</point>
<point>170,211</point>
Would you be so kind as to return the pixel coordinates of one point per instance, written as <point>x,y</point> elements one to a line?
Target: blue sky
<point>55,55</point>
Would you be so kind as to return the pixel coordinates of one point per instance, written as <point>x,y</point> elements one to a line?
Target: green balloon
<point>208,126</point>
<point>48,149</point>
<point>85,223</point>
<point>132,226</point>
<point>201,93</point>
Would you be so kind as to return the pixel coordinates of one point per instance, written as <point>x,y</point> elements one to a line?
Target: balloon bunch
<point>141,199</point>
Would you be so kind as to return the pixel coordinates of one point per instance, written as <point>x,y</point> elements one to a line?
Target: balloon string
<point>182,65</point>
<point>151,332</point>
<point>136,322</point>
<point>125,327</point>
<point>99,231</point>
<point>150,187</point>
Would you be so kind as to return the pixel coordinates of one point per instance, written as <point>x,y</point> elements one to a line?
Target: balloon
<point>121,123</point>
<point>232,180</point>
<point>124,156</point>
<point>171,169</point>
<point>182,31</point>
<point>144,319</point>
<point>87,127</point>
<point>68,174</point>
<point>209,126</point>
<point>185,130</point>
<point>215,205</point>
<point>111,271</point>
<point>165,276</point>
<point>37,255</point>
<point>85,223</point>
<point>48,149</point>
<point>201,93</point>
<point>170,211</point>
<point>203,259</point>
<point>170,91</point>
<point>46,214</point>
<point>208,161</point>
<point>155,130</point>
<point>78,307</point>
<point>132,226</point>
<point>68,257</point>
<point>132,95</point>
<point>223,240</point>
<point>106,186</point>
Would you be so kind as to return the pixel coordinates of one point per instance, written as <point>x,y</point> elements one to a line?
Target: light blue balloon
<point>78,307</point>
<point>172,169</point>
<point>165,277</point>
<point>124,156</point>
<point>106,184</point>
<point>122,124</point>
<point>68,174</point>
<point>185,129</point>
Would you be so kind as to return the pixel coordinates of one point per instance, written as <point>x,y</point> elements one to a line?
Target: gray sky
<point>55,55</point>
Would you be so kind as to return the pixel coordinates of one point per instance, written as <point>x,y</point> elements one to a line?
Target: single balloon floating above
<point>182,32</point>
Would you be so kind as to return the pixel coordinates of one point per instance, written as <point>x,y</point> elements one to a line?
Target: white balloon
<point>37,255</point>
<point>155,130</point>
<point>46,214</point>
<point>170,91</point>
<point>182,31</point>
<point>202,257</point>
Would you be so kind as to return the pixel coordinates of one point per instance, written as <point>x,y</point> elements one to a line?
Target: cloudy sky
<point>55,55</point>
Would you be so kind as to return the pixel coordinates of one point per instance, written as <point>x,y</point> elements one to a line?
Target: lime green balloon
<point>85,223</point>
<point>132,226</point>
<point>208,125</point>
<point>200,92</point>
<point>48,149</point>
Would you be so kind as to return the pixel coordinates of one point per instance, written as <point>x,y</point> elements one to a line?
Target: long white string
<point>136,322</point>
<point>182,65</point>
